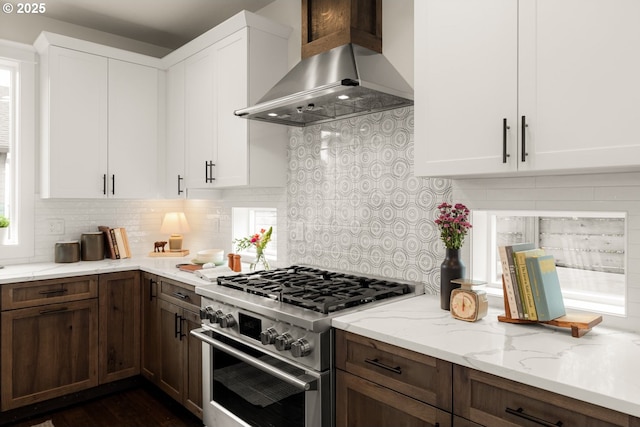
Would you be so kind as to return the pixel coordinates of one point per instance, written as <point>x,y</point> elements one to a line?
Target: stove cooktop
<point>315,289</point>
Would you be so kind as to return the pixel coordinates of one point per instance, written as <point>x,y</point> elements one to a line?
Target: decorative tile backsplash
<point>352,191</point>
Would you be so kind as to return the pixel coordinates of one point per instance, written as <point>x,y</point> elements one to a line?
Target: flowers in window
<point>259,240</point>
<point>453,223</point>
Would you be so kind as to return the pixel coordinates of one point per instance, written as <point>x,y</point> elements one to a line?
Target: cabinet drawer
<point>362,403</point>
<point>30,294</point>
<point>179,293</point>
<point>423,377</point>
<point>493,401</point>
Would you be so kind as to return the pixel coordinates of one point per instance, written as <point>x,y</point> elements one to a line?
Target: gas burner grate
<point>315,289</point>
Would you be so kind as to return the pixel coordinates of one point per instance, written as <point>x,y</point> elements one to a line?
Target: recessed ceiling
<point>166,23</point>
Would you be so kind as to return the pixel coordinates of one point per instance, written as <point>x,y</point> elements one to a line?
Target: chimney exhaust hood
<point>345,79</point>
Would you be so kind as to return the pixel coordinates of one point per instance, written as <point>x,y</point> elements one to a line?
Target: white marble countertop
<point>599,368</point>
<point>163,266</point>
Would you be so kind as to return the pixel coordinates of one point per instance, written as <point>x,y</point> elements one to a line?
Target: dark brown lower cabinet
<point>48,351</point>
<point>150,356</point>
<point>363,403</point>
<point>119,296</point>
<point>463,422</point>
<point>179,365</point>
<point>492,401</point>
<point>378,384</point>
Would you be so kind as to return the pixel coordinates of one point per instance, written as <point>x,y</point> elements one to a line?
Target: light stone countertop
<point>163,266</point>
<point>600,367</point>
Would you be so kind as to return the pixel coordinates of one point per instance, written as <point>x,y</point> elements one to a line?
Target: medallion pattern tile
<point>351,185</point>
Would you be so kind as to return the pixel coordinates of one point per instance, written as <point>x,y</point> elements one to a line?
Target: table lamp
<point>175,223</point>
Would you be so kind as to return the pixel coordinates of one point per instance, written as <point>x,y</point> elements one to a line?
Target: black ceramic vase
<point>451,268</point>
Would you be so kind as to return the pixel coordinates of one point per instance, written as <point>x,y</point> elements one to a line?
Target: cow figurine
<point>157,246</point>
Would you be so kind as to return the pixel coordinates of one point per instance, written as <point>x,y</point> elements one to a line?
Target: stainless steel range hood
<point>346,81</point>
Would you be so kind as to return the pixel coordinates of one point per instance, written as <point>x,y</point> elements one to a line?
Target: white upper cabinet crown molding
<point>46,39</point>
<point>238,21</point>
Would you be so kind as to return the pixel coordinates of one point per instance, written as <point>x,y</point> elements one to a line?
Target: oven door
<point>245,386</point>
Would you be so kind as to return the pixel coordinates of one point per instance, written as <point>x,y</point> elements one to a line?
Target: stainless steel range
<point>268,352</point>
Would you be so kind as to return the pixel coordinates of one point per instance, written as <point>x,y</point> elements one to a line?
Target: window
<point>249,221</point>
<point>589,249</point>
<point>17,130</point>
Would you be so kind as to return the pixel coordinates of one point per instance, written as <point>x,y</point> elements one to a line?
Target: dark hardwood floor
<point>142,406</point>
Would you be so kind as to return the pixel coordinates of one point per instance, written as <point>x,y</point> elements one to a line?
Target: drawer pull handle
<point>54,291</point>
<point>520,413</point>
<point>54,310</point>
<point>375,362</point>
<point>180,295</point>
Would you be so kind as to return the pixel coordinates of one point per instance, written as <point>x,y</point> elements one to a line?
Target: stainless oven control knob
<point>227,321</point>
<point>268,336</point>
<point>300,348</point>
<point>207,313</point>
<point>283,342</point>
<point>216,316</point>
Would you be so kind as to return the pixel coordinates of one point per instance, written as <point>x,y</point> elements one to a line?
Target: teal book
<point>545,287</point>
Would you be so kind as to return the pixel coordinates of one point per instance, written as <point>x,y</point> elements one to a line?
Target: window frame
<point>244,225</point>
<point>22,149</point>
<point>483,251</point>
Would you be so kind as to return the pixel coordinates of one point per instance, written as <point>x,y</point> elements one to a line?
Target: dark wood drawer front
<point>493,401</point>
<point>422,377</point>
<point>363,403</point>
<point>31,294</point>
<point>180,293</point>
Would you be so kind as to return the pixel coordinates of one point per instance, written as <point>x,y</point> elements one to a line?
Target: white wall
<point>26,28</point>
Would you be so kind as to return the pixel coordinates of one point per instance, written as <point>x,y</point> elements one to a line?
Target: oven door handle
<point>305,382</point>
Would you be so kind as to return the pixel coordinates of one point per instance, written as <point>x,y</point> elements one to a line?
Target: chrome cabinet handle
<point>375,362</point>
<point>305,382</point>
<point>520,413</point>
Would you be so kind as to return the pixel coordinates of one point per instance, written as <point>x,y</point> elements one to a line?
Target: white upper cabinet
<point>74,118</point>
<point>529,86</point>
<point>99,122</point>
<point>175,113</point>
<point>226,69</point>
<point>133,130</point>
<point>200,143</point>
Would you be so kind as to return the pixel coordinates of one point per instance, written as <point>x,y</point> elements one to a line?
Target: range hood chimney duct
<point>342,73</point>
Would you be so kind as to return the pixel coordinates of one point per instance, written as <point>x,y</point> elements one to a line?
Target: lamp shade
<point>175,223</point>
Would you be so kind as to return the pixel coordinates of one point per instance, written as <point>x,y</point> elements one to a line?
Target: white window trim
<point>23,152</point>
<point>243,226</point>
<point>482,246</point>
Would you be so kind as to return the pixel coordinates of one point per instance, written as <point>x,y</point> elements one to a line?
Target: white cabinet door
<point>133,130</point>
<point>175,185</point>
<point>579,83</point>
<point>466,86</point>
<point>567,69</point>
<point>231,93</point>
<point>74,147</point>
<point>200,118</point>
